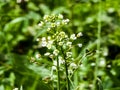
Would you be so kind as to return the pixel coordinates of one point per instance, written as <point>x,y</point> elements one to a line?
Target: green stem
<point>98,46</point>
<point>66,70</point>
<point>58,73</point>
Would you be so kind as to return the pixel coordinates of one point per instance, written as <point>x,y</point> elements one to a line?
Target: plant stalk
<point>58,73</point>
<point>98,46</point>
<point>66,70</point>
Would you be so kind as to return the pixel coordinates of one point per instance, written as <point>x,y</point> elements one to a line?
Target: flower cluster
<point>58,43</point>
<point>53,21</point>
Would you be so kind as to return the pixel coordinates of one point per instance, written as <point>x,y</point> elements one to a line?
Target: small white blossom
<point>41,24</point>
<point>93,64</point>
<point>64,22</point>
<point>37,39</point>
<point>47,54</point>
<point>54,68</point>
<point>37,56</point>
<point>61,60</point>
<point>44,44</point>
<point>73,65</point>
<point>70,71</point>
<point>79,34</point>
<point>79,45</point>
<point>67,20</point>
<point>73,37</point>
<point>102,62</point>
<point>109,66</point>
<point>43,39</point>
<point>50,42</point>
<point>60,16</point>
<point>55,52</point>
<point>49,46</point>
<point>49,38</point>
<point>69,44</point>
<point>111,10</point>
<point>15,89</point>
<point>48,29</point>
<point>60,43</point>
<point>45,17</point>
<point>58,23</point>
<point>69,54</point>
<point>62,34</point>
<point>55,62</point>
<point>51,56</point>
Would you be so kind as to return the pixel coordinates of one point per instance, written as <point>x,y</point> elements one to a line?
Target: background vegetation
<point>20,62</point>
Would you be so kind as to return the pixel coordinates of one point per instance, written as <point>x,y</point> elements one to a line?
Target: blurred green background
<point>19,51</point>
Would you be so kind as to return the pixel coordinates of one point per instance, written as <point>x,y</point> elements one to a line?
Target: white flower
<point>73,37</point>
<point>60,16</point>
<point>69,43</point>
<point>67,20</point>
<point>15,89</point>
<point>62,34</point>
<point>49,38</point>
<point>69,54</point>
<point>55,52</point>
<point>60,43</point>
<point>44,44</point>
<point>70,71</point>
<point>73,65</point>
<point>79,45</point>
<point>51,56</point>
<point>61,60</point>
<point>48,29</point>
<point>55,62</point>
<point>37,39</point>
<point>37,56</point>
<point>49,44</point>
<point>43,39</point>
<point>79,34</point>
<point>58,23</point>
<point>47,54</point>
<point>64,22</point>
<point>54,68</point>
<point>93,64</point>
<point>41,24</point>
<point>45,17</point>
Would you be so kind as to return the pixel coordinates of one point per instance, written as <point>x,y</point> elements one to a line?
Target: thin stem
<point>98,46</point>
<point>58,73</point>
<point>66,70</point>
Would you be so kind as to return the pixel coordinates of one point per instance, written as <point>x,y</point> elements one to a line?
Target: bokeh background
<point>20,52</point>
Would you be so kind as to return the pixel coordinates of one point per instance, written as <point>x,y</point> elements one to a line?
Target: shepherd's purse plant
<point>59,46</point>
